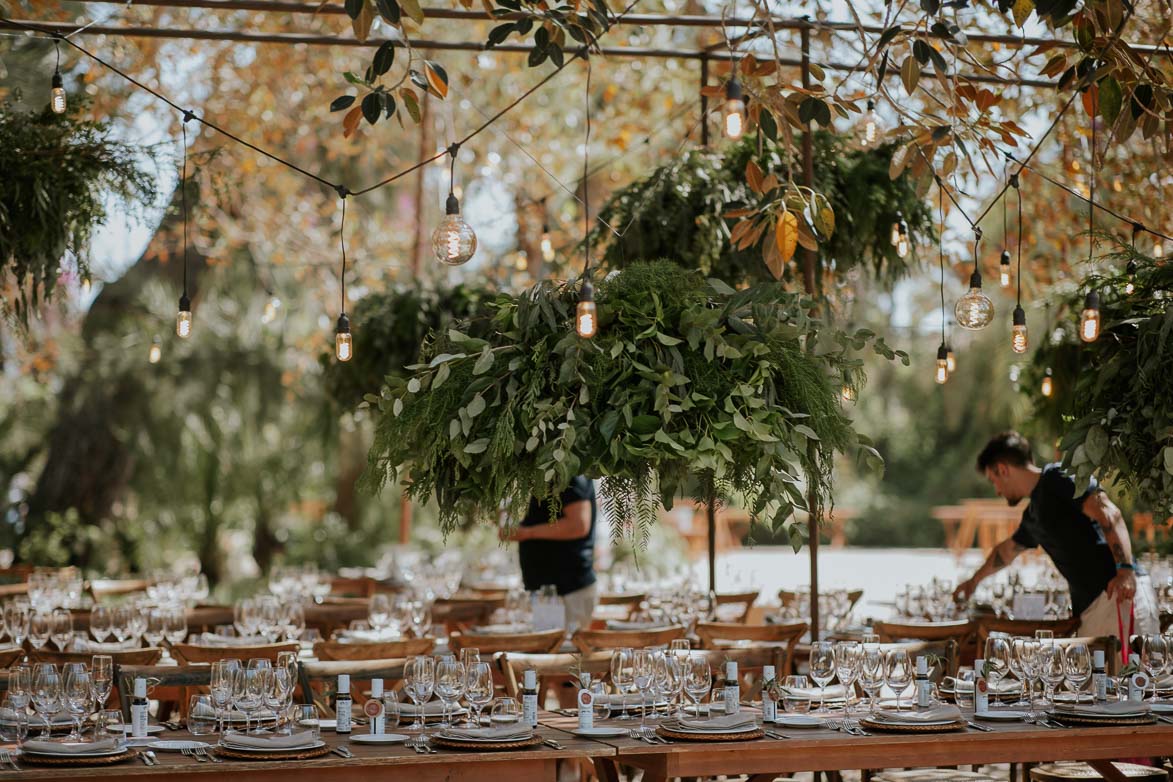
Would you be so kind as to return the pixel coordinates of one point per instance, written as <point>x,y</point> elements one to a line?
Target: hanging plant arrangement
<point>688,384</point>
<point>59,172</point>
<point>1115,422</point>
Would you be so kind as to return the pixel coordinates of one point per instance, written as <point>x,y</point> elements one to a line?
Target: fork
<point>203,753</point>
<point>344,751</point>
<point>191,753</point>
<point>6,757</point>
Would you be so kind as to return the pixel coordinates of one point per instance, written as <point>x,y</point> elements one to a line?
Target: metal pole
<point>704,102</point>
<point>808,281</point>
<point>711,512</point>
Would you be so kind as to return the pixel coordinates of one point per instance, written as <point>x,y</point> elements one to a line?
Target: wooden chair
<point>148,656</point>
<point>511,665</point>
<point>318,679</point>
<point>101,588</point>
<point>388,650</point>
<point>1059,772</point>
<point>458,614</point>
<point>362,587</point>
<point>187,654</point>
<point>1062,628</point>
<point>629,602</point>
<point>781,637</point>
<point>587,641</point>
<point>962,632</point>
<point>743,600</point>
<point>535,643</point>
<point>10,655</point>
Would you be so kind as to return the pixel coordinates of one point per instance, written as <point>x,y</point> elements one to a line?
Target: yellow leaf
<point>351,121</point>
<point>753,177</point>
<point>899,161</point>
<point>773,259</point>
<point>438,85</point>
<point>362,23</point>
<point>413,10</point>
<point>910,74</point>
<point>786,235</point>
<point>1022,9</point>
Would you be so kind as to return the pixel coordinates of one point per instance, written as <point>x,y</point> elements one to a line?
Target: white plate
<point>324,724</point>
<point>1073,697</point>
<point>798,721</point>
<point>105,753</point>
<point>915,723</point>
<point>262,751</point>
<point>678,728</point>
<point>1160,708</point>
<point>384,738</point>
<point>178,745</point>
<point>600,733</point>
<point>1002,715</point>
<point>466,740</point>
<point>151,729</point>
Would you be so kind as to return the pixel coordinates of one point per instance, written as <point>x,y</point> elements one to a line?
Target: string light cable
<point>942,368</point>
<point>183,320</point>
<point>586,316</point>
<point>1018,334</point>
<point>343,340</point>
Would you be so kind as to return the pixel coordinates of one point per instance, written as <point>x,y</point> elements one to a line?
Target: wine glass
<point>469,655</point>
<point>46,694</point>
<point>40,627</point>
<point>248,692</point>
<point>698,680</point>
<point>420,682</point>
<point>643,670</point>
<point>175,624</point>
<point>898,672</point>
<point>292,621</point>
<point>100,625</point>
<point>449,686</point>
<point>997,660</point>
<point>822,669</point>
<point>848,656</point>
<point>379,611</point>
<point>156,629</point>
<point>478,688</point>
<point>16,620</point>
<point>622,676</point>
<point>222,686</point>
<point>269,618</point>
<point>1077,666</point>
<point>20,685</point>
<point>137,623</point>
<point>77,694</point>
<point>1154,656</point>
<point>120,622</point>
<point>278,692</point>
<point>871,673</point>
<point>14,721</point>
<point>1028,652</point>
<point>102,676</point>
<point>1052,668</point>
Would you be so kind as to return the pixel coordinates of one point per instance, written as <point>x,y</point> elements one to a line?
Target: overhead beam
<point>290,39</point>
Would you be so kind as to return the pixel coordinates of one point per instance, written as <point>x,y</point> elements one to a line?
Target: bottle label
<point>1137,684</point>
<point>529,709</point>
<point>374,710</point>
<point>342,712</point>
<point>138,720</point>
<point>981,691</point>
<point>1100,684</point>
<point>586,710</point>
<point>769,708</point>
<point>924,691</point>
<point>732,698</point>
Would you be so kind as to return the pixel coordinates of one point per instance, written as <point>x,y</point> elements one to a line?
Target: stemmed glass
<point>120,622</point>
<point>1154,656</point>
<point>661,681</point>
<point>420,682</point>
<point>78,692</point>
<point>278,692</point>
<point>1077,666</point>
<point>1015,663</point>
<point>156,629</point>
<point>175,624</point>
<point>379,611</point>
<point>100,622</point>
<point>478,689</point>
<point>822,669</point>
<point>61,629</point>
<point>871,673</point>
<point>674,673</point>
<point>643,669</point>
<point>1052,668</point>
<point>40,627</point>
<point>997,660</point>
<point>1029,656</point>
<point>848,657</point>
<point>137,624</point>
<point>248,693</point>
<point>102,676</point>
<point>449,686</point>
<point>222,686</point>
<point>16,620</point>
<point>698,680</point>
<point>292,621</point>
<point>46,694</point>
<point>622,676</point>
<point>898,672</point>
<point>20,685</point>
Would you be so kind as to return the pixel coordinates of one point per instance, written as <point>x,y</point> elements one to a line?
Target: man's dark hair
<point>1005,448</point>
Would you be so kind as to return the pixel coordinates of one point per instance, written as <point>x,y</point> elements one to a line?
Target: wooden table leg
<point>606,770</point>
<point>1108,770</point>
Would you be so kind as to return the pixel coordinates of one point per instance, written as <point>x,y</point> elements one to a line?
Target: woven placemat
<point>887,727</point>
<point>1088,720</point>
<point>675,735</point>
<point>48,760</point>
<point>300,754</point>
<point>488,746</point>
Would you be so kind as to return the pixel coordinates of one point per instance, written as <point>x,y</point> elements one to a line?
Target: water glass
<point>307,719</point>
<point>965,696</point>
<point>602,705</point>
<point>110,723</point>
<point>506,711</point>
<point>391,711</point>
<point>796,697</point>
<point>14,721</point>
<point>202,715</point>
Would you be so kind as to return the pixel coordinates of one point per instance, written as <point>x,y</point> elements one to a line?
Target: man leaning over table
<point>1083,534</point>
<point>561,552</point>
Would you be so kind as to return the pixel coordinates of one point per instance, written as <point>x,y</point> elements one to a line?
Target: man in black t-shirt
<point>561,552</point>
<point>1084,534</point>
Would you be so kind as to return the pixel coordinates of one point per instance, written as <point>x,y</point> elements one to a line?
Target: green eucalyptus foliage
<point>1112,406</point>
<point>689,386</point>
<point>677,211</point>
<point>58,174</point>
<point>389,329</point>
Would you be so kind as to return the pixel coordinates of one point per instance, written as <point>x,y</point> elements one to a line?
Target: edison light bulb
<point>521,261</point>
<point>734,110</point>
<point>902,247</point>
<point>896,230</point>
<point>942,365</point>
<point>183,319</point>
<point>586,316</point>
<point>1130,286</point>
<point>950,359</point>
<point>871,125</point>
<point>974,310</point>
<point>86,286</point>
<point>848,393</point>
<point>1004,270</point>
<point>1089,319</point>
<point>156,352</point>
<point>343,342</point>
<point>57,94</point>
<point>1158,249</point>
<point>271,308</point>
<point>547,247</point>
<point>1048,385</point>
<point>453,242</point>
<point>1018,341</point>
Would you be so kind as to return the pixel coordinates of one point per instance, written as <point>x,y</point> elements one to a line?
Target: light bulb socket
<point>57,81</point>
<point>452,206</point>
<point>975,280</point>
<point>1019,316</point>
<point>942,353</point>
<point>1049,373</point>
<point>1005,259</point>
<point>587,291</point>
<point>733,89</point>
<point>1131,267</point>
<point>184,303</point>
<point>343,325</point>
<point>903,227</point>
<point>871,105</point>
<point>1092,301</point>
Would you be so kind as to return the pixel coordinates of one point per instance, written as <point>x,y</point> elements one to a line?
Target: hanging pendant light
<point>974,310</point>
<point>586,315</point>
<point>454,242</point>
<point>1018,335</point>
<point>734,122</point>
<point>343,340</point>
<point>183,319</point>
<point>1130,270</point>
<point>586,321</point>
<point>870,130</point>
<point>1048,386</point>
<point>156,351</point>
<point>57,102</point>
<point>1089,319</point>
<point>942,373</point>
<point>1004,270</point>
<point>1018,338</point>
<point>941,370</point>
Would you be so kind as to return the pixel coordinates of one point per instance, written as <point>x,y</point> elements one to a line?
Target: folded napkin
<point>508,628</point>
<point>69,747</point>
<point>494,733</point>
<point>1114,709</point>
<point>724,722</point>
<point>293,741</point>
<point>616,624</point>
<point>938,714</point>
<point>629,699</point>
<point>225,641</point>
<point>367,636</point>
<point>1004,686</point>
<point>430,709</point>
<point>835,692</point>
<point>86,646</point>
